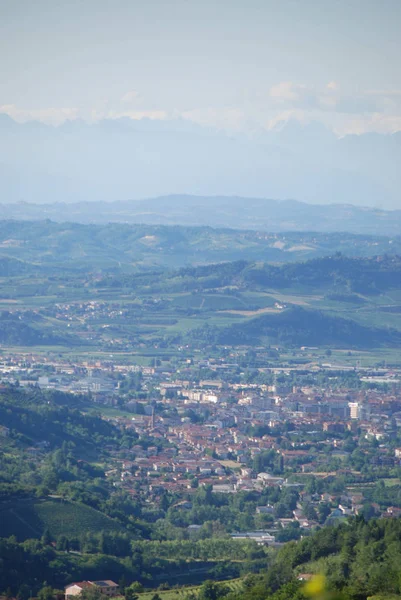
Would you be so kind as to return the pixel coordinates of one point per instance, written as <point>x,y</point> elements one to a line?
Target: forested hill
<point>10,267</point>
<point>299,327</point>
<point>357,560</point>
<point>28,330</point>
<point>363,276</point>
<point>325,301</point>
<point>337,273</point>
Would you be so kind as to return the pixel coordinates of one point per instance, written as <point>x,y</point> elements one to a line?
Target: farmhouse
<point>106,586</point>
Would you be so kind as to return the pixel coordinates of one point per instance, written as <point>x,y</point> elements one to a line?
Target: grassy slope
<point>176,594</point>
<point>29,518</point>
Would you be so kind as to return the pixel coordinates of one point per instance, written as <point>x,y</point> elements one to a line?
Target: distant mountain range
<point>124,159</point>
<point>219,211</point>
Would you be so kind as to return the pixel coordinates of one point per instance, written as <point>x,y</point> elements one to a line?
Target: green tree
<point>131,592</point>
<point>136,587</point>
<point>23,592</point>
<point>46,537</point>
<point>323,511</point>
<point>92,593</point>
<point>210,590</point>
<point>46,593</point>
<point>62,543</point>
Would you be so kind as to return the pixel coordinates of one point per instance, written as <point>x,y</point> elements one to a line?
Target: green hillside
<point>14,331</point>
<point>297,326</point>
<point>9,267</point>
<point>339,301</point>
<point>31,518</point>
<point>124,247</point>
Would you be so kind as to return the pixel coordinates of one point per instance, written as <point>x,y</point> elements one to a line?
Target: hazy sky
<point>236,64</point>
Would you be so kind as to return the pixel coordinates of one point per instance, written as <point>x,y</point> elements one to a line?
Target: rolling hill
<point>45,246</point>
<point>299,327</point>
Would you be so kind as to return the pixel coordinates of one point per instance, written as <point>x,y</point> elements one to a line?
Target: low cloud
<point>376,123</point>
<point>333,86</point>
<point>287,91</point>
<point>57,116</point>
<point>331,97</point>
<point>131,97</point>
<point>136,115</point>
<point>220,118</point>
<point>341,111</point>
<point>280,118</point>
<point>52,116</point>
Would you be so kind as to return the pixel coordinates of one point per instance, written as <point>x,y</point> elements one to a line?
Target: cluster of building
<point>216,432</point>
